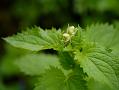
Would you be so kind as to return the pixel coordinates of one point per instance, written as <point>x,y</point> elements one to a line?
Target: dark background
<point>16,15</point>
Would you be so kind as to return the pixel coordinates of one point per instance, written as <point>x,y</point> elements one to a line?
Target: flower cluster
<point>71,30</point>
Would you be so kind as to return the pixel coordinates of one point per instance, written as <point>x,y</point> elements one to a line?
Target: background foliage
<point>18,14</point>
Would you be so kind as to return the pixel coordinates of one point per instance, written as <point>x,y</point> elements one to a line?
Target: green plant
<point>87,59</point>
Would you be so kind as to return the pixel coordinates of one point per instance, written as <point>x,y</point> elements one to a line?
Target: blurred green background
<point>16,15</point>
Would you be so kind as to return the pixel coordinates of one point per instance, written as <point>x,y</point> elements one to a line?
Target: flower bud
<point>66,37</point>
<point>71,30</point>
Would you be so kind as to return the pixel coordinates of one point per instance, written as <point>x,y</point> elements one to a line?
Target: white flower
<point>67,37</point>
<point>71,30</point>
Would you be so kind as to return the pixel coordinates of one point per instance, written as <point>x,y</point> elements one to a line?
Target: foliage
<point>7,66</point>
<point>9,70</point>
<point>86,58</point>
<point>35,64</point>
<point>37,39</point>
<point>90,11</point>
<point>97,5</point>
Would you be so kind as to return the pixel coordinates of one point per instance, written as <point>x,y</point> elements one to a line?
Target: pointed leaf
<point>36,39</point>
<point>100,65</point>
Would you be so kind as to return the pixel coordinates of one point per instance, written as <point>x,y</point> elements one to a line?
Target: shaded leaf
<point>35,64</point>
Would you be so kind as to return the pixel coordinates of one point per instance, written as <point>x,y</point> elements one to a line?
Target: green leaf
<point>100,65</point>
<point>52,79</point>
<point>36,39</point>
<point>96,85</point>
<point>66,60</point>
<point>105,35</point>
<point>7,65</point>
<point>55,79</point>
<point>35,64</point>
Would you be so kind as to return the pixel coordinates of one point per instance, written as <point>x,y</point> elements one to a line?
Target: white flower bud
<point>71,30</point>
<point>66,37</point>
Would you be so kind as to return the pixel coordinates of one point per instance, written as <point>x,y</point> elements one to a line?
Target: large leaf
<point>35,64</point>
<point>36,39</point>
<point>105,35</point>
<point>100,65</point>
<point>55,79</point>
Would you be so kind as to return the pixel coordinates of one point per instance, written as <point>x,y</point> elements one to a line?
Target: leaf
<point>96,85</point>
<point>36,39</point>
<point>100,65</point>
<point>52,79</point>
<point>55,79</point>
<point>104,34</point>
<point>7,65</point>
<point>35,64</point>
<point>66,60</point>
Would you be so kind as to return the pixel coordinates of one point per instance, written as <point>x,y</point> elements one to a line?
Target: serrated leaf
<point>100,65</point>
<point>35,64</point>
<point>52,79</point>
<point>55,79</point>
<point>36,39</point>
<point>105,35</point>
<point>66,60</point>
